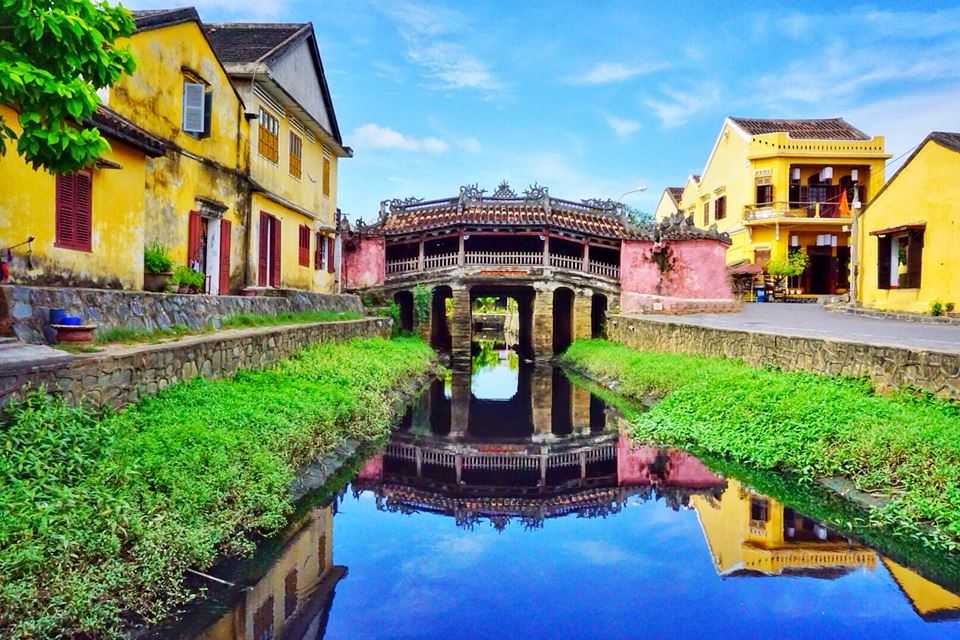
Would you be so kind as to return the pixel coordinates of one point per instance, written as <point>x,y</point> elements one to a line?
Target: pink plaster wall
<point>364,264</point>
<point>635,467</point>
<point>697,282</point>
<point>372,469</point>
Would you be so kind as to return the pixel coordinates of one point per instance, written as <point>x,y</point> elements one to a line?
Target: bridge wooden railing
<point>501,259</point>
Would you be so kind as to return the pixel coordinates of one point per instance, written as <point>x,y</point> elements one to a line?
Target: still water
<point>508,504</point>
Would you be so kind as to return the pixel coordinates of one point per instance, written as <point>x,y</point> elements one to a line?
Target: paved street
<point>812,320</point>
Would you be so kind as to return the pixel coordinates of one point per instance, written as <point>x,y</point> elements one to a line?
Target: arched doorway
<point>562,319</point>
<point>404,301</point>
<point>439,322</point>
<point>598,316</point>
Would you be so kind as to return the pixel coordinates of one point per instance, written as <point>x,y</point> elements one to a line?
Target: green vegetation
<point>128,335</point>
<point>422,297</point>
<point>187,277</point>
<point>292,317</point>
<point>905,447</point>
<point>156,259</point>
<point>53,58</point>
<point>101,514</point>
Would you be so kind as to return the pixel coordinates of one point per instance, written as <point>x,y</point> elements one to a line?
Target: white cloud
<point>430,35</point>
<point>374,136</point>
<point>612,72</point>
<point>680,106</point>
<point>471,145</point>
<point>600,553</point>
<point>623,127</point>
<point>796,25</point>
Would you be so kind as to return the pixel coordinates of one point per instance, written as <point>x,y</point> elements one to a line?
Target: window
<point>759,508</point>
<point>197,109</point>
<point>269,136</point>
<point>319,252</point>
<point>764,193</point>
<point>326,176</point>
<point>263,620</point>
<point>290,599</point>
<point>296,153</point>
<point>706,213</point>
<point>720,208</point>
<point>73,210</point>
<point>304,245</point>
<point>900,259</point>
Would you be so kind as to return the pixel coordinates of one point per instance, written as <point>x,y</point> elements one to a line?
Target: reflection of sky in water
<point>496,376</point>
<point>643,573</point>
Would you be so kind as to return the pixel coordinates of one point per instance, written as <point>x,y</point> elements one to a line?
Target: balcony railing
<point>497,259</point>
<point>769,210</point>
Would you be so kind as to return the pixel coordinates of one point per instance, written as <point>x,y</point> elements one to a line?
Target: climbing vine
<point>421,304</point>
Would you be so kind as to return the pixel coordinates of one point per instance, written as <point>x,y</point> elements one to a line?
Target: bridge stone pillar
<point>543,322</point>
<point>581,409</point>
<point>460,401</point>
<point>542,399</point>
<point>582,314</point>
<point>461,326</point>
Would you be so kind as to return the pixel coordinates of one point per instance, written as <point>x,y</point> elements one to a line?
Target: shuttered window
<point>304,246</point>
<point>296,154</point>
<point>74,210</point>
<point>326,176</point>
<point>706,213</point>
<point>318,252</point>
<point>720,208</point>
<point>764,193</point>
<point>290,596</point>
<point>330,265</point>
<point>900,260</point>
<point>268,139</point>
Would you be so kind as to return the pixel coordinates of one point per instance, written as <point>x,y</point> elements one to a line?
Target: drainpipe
<point>855,248</point>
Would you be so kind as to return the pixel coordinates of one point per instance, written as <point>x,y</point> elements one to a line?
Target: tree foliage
<point>54,55</point>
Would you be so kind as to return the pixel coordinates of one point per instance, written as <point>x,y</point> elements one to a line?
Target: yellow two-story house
<point>294,148</point>
<point>779,186</point>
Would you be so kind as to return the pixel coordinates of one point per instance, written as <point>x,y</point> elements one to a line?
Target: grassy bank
<point>101,514</point>
<point>905,447</point>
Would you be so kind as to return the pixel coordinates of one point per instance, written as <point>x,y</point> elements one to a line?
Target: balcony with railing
<point>406,266</point>
<point>816,202</point>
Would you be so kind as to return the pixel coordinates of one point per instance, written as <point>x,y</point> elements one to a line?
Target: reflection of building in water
<point>932,602</point>
<point>292,599</point>
<point>752,535</point>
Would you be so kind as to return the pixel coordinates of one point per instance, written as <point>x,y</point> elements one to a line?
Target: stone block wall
<point>28,307</point>
<point>121,375</point>
<point>886,367</point>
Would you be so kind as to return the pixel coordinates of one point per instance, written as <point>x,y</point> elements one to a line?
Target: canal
<point>509,503</point>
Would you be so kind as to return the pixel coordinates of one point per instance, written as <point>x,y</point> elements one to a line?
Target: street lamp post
<point>637,190</point>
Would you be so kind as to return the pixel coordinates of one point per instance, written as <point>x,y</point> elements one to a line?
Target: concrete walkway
<point>813,321</point>
<point>17,356</point>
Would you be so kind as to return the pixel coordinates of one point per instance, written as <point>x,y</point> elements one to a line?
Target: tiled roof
<point>817,129</point>
<point>947,139</point>
<point>244,42</point>
<point>675,192</point>
<point>505,213</point>
<point>112,124</point>
<point>153,18</point>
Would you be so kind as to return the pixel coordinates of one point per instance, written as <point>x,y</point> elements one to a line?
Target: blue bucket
<point>57,316</point>
<point>71,321</point>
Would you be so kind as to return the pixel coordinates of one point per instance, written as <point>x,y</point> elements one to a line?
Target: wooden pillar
<point>461,326</point>
<point>461,259</point>
<point>582,314</point>
<point>420,257</point>
<point>543,323</point>
<point>546,249</point>
<point>586,257</point>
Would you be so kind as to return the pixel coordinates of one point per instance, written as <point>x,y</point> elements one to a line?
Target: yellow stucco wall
<point>666,207</point>
<point>211,168</point>
<point>926,190</point>
<point>292,274</point>
<point>27,208</point>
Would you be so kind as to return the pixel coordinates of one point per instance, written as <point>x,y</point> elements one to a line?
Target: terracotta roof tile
<point>817,129</point>
<point>112,124</point>
<point>675,192</point>
<point>948,139</point>
<point>243,42</point>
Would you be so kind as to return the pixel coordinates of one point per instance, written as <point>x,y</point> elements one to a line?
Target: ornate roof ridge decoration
<point>536,192</point>
<point>607,205</point>
<point>504,192</point>
<point>676,227</point>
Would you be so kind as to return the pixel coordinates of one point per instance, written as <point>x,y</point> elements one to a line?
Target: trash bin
<point>760,293</point>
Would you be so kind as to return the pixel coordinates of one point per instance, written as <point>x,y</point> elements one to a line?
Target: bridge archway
<point>518,331</point>
<point>404,302</point>
<point>439,321</point>
<point>598,315</point>
<point>562,319</point>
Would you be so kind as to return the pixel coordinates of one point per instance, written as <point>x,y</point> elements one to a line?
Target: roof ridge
<point>253,25</point>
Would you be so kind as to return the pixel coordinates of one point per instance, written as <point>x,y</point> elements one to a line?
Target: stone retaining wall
<point>28,307</point>
<point>120,375</point>
<point>886,366</point>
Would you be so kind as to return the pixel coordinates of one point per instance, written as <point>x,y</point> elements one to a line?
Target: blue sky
<point>594,99</point>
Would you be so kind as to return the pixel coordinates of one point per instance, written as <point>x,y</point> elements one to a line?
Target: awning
<point>918,226</point>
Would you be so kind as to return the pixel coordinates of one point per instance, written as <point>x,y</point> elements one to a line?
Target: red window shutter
<point>329,254</point>
<point>73,211</point>
<point>275,255</point>
<point>84,210</point>
<point>264,244</point>
<point>318,253</point>
<point>304,246</point>
<point>193,239</point>
<point>64,210</point>
<point>225,228</point>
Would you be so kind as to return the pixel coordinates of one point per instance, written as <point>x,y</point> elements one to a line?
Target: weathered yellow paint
<point>27,208</point>
<point>739,159</point>
<point>929,599</point>
<point>293,275</point>
<point>212,168</point>
<point>926,190</point>
<point>666,206</point>
<point>737,542</point>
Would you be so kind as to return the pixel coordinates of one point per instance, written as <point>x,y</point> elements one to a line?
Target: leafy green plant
<point>298,317</point>
<point>53,58</point>
<point>156,259</point>
<point>792,265</point>
<point>421,304</point>
<point>187,277</point>
<point>936,308</point>
<point>129,335</point>
<point>949,307</point>
<point>102,513</point>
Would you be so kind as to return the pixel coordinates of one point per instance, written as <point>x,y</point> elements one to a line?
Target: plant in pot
<point>157,267</point>
<point>782,268</point>
<point>186,280</point>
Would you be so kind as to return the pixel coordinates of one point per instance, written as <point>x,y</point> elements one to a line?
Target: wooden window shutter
<point>883,262</point>
<point>330,247</point>
<point>915,258</point>
<point>290,595</point>
<point>73,211</point>
<point>275,255</point>
<point>304,256</point>
<point>225,228</point>
<point>326,176</point>
<point>318,253</point>
<point>264,249</point>
<point>193,239</point>
<point>207,111</point>
<point>193,107</point>
<point>66,187</point>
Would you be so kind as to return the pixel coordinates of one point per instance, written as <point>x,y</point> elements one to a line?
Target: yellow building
<point>778,186</point>
<point>668,204</point>
<point>907,237</point>
<point>932,602</point>
<point>197,193</point>
<point>750,534</point>
<point>87,227</point>
<point>294,147</point>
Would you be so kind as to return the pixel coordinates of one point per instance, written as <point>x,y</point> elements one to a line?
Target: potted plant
<point>783,268</point>
<point>186,280</point>
<point>157,267</point>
